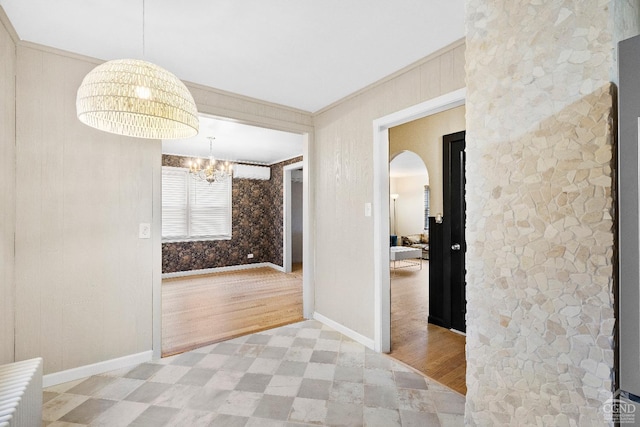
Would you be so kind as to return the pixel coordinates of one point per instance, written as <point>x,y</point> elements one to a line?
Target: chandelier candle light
<point>211,172</point>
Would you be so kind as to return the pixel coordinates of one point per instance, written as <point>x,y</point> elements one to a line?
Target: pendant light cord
<point>143,29</point>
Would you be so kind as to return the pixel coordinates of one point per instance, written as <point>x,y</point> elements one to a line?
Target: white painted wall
<point>343,182</point>
<point>84,281</point>
<point>392,212</point>
<point>296,221</point>
<point>7,187</point>
<point>410,204</point>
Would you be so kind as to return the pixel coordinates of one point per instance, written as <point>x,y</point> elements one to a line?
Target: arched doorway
<point>408,185</point>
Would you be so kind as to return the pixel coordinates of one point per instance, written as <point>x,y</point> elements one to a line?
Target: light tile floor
<point>296,375</point>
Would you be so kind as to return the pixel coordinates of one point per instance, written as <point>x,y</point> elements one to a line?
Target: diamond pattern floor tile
<point>296,375</point>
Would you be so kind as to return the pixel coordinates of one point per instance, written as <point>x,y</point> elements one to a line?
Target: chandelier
<point>212,171</point>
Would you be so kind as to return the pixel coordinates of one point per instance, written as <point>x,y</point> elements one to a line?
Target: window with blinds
<point>192,209</point>
<point>426,207</point>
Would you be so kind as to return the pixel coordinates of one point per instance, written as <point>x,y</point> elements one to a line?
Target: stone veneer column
<point>540,133</point>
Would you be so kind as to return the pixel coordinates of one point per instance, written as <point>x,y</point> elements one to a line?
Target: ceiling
<point>303,54</point>
<point>238,142</point>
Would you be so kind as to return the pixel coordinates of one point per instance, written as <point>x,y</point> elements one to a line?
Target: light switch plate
<point>367,209</point>
<point>144,231</point>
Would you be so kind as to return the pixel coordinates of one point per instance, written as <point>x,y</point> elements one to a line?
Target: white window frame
<point>189,238</point>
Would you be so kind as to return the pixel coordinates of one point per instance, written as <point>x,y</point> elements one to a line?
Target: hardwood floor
<point>200,310</point>
<point>437,352</point>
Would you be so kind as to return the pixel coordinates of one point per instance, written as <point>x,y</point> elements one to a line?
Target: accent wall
<point>257,221</point>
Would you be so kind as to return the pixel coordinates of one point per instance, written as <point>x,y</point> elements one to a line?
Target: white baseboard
<point>221,269</point>
<point>275,267</point>
<point>367,342</point>
<point>96,368</point>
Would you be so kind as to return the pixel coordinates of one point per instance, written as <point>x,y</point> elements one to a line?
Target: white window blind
<point>192,209</point>
<point>426,207</point>
<point>174,203</point>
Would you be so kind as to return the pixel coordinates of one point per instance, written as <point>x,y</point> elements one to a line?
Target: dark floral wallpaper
<point>256,226</point>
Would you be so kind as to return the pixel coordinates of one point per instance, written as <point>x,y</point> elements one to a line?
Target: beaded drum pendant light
<point>137,98</point>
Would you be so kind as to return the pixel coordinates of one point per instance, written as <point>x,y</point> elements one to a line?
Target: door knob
<point>455,247</point>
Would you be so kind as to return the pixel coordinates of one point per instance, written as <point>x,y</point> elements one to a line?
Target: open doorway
<point>293,230</point>
<point>387,131</point>
<point>420,336</point>
<point>197,271</point>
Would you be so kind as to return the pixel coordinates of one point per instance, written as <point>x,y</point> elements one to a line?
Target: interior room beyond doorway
<point>437,352</point>
<point>217,276</point>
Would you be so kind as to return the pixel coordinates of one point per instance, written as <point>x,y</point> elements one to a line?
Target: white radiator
<point>21,394</point>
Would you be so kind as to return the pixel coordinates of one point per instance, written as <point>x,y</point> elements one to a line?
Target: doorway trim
<point>308,291</point>
<point>381,276</point>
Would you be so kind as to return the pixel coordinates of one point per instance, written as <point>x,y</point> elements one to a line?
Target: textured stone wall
<point>540,134</point>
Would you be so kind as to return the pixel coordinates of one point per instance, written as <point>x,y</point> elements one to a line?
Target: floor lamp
<point>394,197</point>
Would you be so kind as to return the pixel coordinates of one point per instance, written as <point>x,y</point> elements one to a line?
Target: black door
<point>454,218</point>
